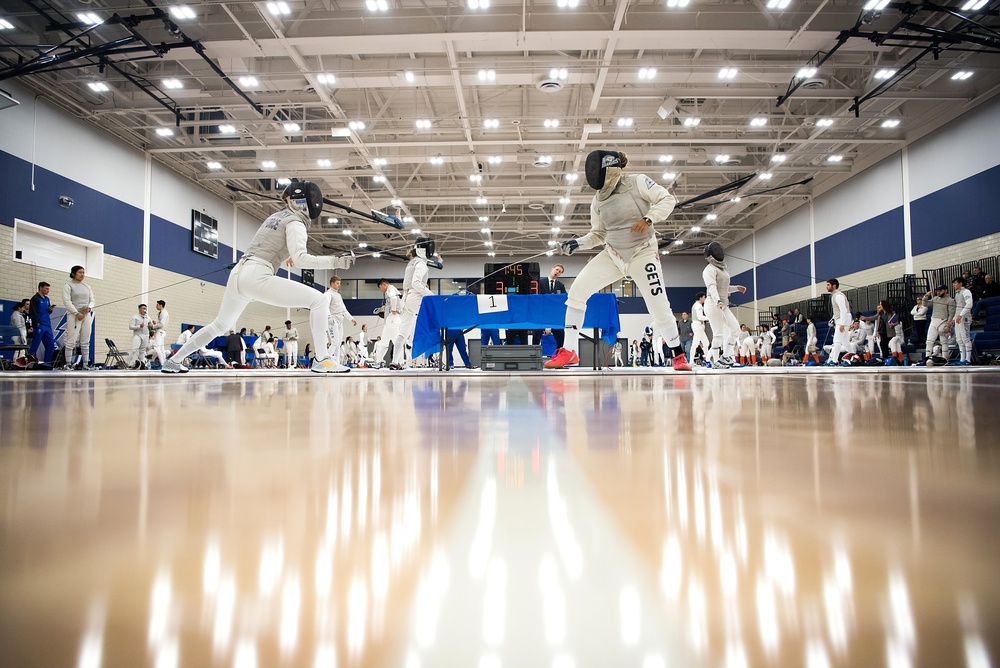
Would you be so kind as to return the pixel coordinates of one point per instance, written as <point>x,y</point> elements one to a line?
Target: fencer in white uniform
<point>291,338</point>
<point>767,337</point>
<point>942,310</point>
<point>841,320</point>
<point>698,320</point>
<point>78,298</point>
<point>363,343</point>
<point>390,310</point>
<point>725,326</point>
<point>160,330</point>
<point>895,326</point>
<point>963,320</point>
<point>618,354</point>
<point>139,324</point>
<point>812,342</point>
<point>414,290</point>
<point>338,311</point>
<point>284,234</point>
<point>622,215</point>
<point>205,352</point>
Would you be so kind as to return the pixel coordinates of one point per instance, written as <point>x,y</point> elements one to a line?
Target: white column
<point>812,248</point>
<point>146,208</point>
<point>753,257</point>
<point>907,235</point>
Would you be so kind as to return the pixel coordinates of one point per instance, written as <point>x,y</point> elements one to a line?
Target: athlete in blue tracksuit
<point>39,311</point>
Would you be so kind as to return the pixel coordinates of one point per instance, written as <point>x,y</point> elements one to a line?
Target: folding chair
<point>114,359</point>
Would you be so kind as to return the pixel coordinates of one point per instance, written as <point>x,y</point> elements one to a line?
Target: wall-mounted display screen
<point>204,234</point>
<point>520,278</point>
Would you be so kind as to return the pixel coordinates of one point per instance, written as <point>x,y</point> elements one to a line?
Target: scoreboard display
<point>520,278</point>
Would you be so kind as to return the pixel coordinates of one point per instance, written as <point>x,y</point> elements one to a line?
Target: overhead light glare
<point>484,219</point>
<point>227,129</point>
<point>495,159</point>
<point>551,122</point>
<point>173,83</point>
<point>624,122</point>
<point>677,4</point>
<point>824,122</point>
<point>488,244</point>
<point>758,122</point>
<point>835,158</point>
<point>696,229</point>
<point>765,176</point>
<point>6,25</point>
<point>711,216</point>
<point>357,126</point>
<point>572,177</point>
<point>484,230</point>
<point>961,76</point>
<point>409,219</point>
<point>669,176</point>
<point>666,158</point>
<point>326,78</point>
<point>974,5</point>
<point>284,182</point>
<point>564,200</point>
<point>492,254</point>
<point>544,159</point>
<point>778,158</point>
<point>562,4</point>
<point>362,244</point>
<point>481,201</point>
<point>647,73</point>
<point>806,72</point>
<point>323,162</point>
<point>396,202</point>
<point>691,122</point>
<point>437,160</point>
<point>721,158</point>
<point>90,18</point>
<point>560,73</point>
<point>559,219</point>
<point>778,4</point>
<point>340,132</point>
<point>890,123</point>
<point>678,242</point>
<point>347,233</point>
<point>875,5</point>
<point>182,12</point>
<point>98,86</point>
<point>212,164</point>
<point>728,73</point>
<point>268,164</point>
<point>165,132</point>
<point>249,82</point>
<point>380,162</point>
<point>279,8</point>
<point>292,127</point>
<point>378,178</point>
<point>476,178</point>
<point>423,124</point>
<point>884,74</point>
<point>491,123</point>
<point>487,75</point>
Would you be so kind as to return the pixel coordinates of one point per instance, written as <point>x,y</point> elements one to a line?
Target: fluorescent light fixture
<point>678,242</point>
<point>669,176</point>
<point>476,178</point>
<point>437,160</point>
<point>323,162</point>
<point>974,5</point>
<point>249,81</point>
<point>806,72</point>
<point>647,73</point>
<point>484,230</point>
<point>890,123</point>
<point>98,86</point>
<point>758,122</point>
<point>765,176</point>
<point>332,221</point>
<point>165,132</point>
<point>491,123</point>
<point>340,132</point>
<point>558,219</point>
<point>824,122</point>
<point>735,199</point>
<point>279,8</point>
<point>268,164</point>
<point>721,158</point>
<point>227,129</point>
<point>90,18</point>
<point>376,255</point>
<point>182,12</point>
<point>495,159</point>
<point>552,243</point>
<point>362,244</point>
<point>677,4</point>
<point>544,159</point>
<point>875,5</point>
<point>564,200</point>
<point>572,177</point>
<point>409,76</point>
<point>711,216</point>
<point>884,74</point>
<point>487,75</point>
<point>551,122</point>
<point>347,233</point>
<point>691,122</point>
<point>484,219</point>
<point>696,229</point>
<point>778,158</point>
<point>567,3</point>
<point>624,122</point>
<point>778,4</point>
<point>835,158</point>
<point>284,182</point>
<point>961,76</point>
<point>560,73</point>
<point>173,83</point>
<point>728,73</point>
<point>380,162</point>
<point>357,126</point>
<point>378,178</point>
<point>6,25</point>
<point>488,244</point>
<point>292,127</point>
<point>396,202</point>
<point>482,200</point>
<point>326,78</point>
<point>423,124</point>
<point>666,158</point>
<point>213,165</point>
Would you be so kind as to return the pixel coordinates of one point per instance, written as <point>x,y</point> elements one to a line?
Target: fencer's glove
<point>343,262</point>
<point>569,247</point>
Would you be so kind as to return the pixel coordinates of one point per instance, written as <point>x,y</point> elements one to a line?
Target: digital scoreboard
<point>520,278</point>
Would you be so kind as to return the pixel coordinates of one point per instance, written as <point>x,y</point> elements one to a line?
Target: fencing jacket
<point>963,303</point>
<point>942,308</point>
<point>698,318</point>
<point>77,295</point>
<point>636,196</point>
<point>717,285</point>
<point>337,308</point>
<point>284,235</point>
<point>415,278</point>
<point>841,309</point>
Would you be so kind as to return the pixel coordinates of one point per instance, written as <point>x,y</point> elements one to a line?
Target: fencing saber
<point>375,215</point>
<point>721,190</point>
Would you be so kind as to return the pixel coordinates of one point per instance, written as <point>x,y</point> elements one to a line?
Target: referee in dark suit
<point>550,286</point>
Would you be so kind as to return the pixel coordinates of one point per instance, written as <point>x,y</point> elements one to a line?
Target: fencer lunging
<point>414,290</point>
<point>284,234</point>
<point>725,327</point>
<point>622,215</point>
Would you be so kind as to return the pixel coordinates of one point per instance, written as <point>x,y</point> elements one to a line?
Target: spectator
<point>990,287</point>
<point>785,331</point>
<point>919,333</point>
<point>457,338</point>
<point>646,349</point>
<point>550,285</point>
<point>793,350</point>
<point>799,318</point>
<point>975,283</point>
<point>39,311</point>
<point>234,349</point>
<point>686,333</point>
<point>291,337</point>
<point>17,321</point>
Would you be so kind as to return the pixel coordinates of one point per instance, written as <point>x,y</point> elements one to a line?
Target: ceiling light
<point>396,202</point>
<point>173,83</point>
<point>182,12</point>
<point>90,18</point>
<point>377,5</point>
<point>835,158</point>
<point>806,72</point>
<point>571,177</point>
<point>677,3</point>
<point>488,244</point>
<point>482,200</point>
<point>669,176</point>
<point>666,158</point>
<point>227,129</point>
<point>325,78</point>
<point>559,219</point>
<point>647,73</point>
<point>492,254</point>
<point>213,164</point>
<point>347,233</point>
<point>824,122</point>
<point>487,75</point>
<point>478,4</point>
<point>556,230</point>
<point>99,86</point>
<point>409,76</point>
<point>380,162</point>
<point>6,25</point>
<point>409,219</point>
<point>279,8</point>
<point>165,132</point>
<point>362,244</point>
<point>564,200</point>
<point>378,178</point>
<point>376,255</point>
<point>552,243</point>
<point>249,82</point>
<point>758,122</point>
<point>765,176</point>
<point>890,123</point>
<point>624,122</point>
<point>323,162</point>
<point>778,158</point>
<point>476,178</point>
<point>961,76</point>
<point>696,229</point>
<point>491,123</point>
<point>268,164</point>
<point>560,73</point>
<point>332,221</point>
<point>437,160</point>
<point>691,122</point>
<point>884,74</point>
<point>292,127</point>
<point>484,230</point>
<point>875,5</point>
<point>735,199</point>
<point>711,216</point>
<point>284,182</point>
<point>567,3</point>
<point>678,242</point>
<point>495,159</point>
<point>551,123</point>
<point>664,252</point>
<point>973,5</point>
<point>544,159</point>
<point>778,4</point>
<point>728,73</point>
<point>722,158</point>
<point>340,132</point>
<point>357,126</point>
<point>484,219</point>
<point>415,230</point>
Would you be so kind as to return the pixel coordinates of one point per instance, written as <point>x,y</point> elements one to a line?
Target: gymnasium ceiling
<point>327,64</point>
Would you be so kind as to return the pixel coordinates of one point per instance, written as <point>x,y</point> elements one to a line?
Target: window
<point>41,246</point>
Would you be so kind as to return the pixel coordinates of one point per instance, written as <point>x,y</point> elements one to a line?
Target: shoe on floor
<point>562,358</point>
<point>681,363</point>
<point>171,366</point>
<point>328,366</point>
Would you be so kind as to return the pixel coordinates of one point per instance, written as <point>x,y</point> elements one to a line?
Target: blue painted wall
<point>788,272</point>
<point>874,242</point>
<point>94,216</point>
<point>960,212</point>
<point>170,249</point>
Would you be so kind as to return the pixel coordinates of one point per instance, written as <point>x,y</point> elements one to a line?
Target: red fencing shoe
<point>681,363</point>
<point>562,358</point>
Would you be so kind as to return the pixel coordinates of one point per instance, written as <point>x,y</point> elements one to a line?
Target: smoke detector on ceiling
<point>549,86</point>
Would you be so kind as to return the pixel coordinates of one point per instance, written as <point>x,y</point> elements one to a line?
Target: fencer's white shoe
<point>328,366</point>
<point>170,366</point>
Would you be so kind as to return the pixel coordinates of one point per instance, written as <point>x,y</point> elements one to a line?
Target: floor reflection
<point>554,520</point>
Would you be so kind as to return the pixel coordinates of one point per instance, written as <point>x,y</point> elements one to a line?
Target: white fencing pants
<point>607,267</point>
<point>747,347</point>
<point>138,348</point>
<point>933,332</point>
<point>78,333</point>
<point>389,333</point>
<point>253,280</point>
<point>964,339</point>
<point>724,327</point>
<point>292,353</point>
<point>407,324</point>
<point>896,344</point>
<point>765,350</point>
<point>158,343</point>
<point>840,342</point>
<point>336,330</point>
<point>216,355</point>
<point>700,339</point>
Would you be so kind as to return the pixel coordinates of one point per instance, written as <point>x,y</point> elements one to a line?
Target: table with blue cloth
<point>444,312</point>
